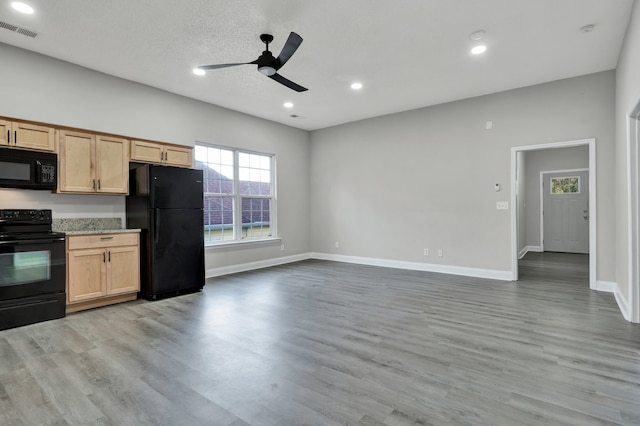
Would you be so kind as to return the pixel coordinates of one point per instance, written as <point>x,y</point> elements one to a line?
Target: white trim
<point>527,249</point>
<point>542,193</point>
<point>234,244</point>
<point>607,286</point>
<point>612,287</point>
<point>243,267</point>
<point>633,214</point>
<point>623,304</point>
<point>417,266</point>
<point>592,203</point>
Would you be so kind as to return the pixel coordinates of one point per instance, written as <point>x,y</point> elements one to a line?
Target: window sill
<point>243,243</point>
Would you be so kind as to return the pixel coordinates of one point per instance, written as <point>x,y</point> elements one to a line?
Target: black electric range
<point>32,268</point>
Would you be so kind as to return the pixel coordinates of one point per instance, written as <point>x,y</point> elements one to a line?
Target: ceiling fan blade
<point>215,67</point>
<point>293,42</point>
<point>290,84</point>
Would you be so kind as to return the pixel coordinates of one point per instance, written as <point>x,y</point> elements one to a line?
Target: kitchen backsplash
<point>86,224</point>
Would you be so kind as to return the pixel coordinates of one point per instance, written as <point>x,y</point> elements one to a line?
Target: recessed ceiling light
<point>356,86</point>
<point>288,104</point>
<point>198,71</point>
<point>479,49</point>
<point>22,7</point>
<point>477,35</point>
<point>587,28</point>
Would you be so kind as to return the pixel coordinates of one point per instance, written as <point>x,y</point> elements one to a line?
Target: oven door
<point>31,267</point>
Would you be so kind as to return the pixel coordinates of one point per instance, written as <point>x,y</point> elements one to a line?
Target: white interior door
<point>565,211</point>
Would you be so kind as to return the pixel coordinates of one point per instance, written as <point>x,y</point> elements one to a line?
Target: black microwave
<point>28,169</point>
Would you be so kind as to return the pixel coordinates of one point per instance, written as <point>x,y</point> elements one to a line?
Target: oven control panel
<point>23,215</point>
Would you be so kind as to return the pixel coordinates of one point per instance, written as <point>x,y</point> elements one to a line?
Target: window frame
<point>237,197</point>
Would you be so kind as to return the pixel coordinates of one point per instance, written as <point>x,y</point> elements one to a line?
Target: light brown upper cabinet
<point>161,153</point>
<point>26,135</point>
<point>91,164</point>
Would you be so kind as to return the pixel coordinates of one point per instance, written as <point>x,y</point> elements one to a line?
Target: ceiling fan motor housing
<point>267,64</point>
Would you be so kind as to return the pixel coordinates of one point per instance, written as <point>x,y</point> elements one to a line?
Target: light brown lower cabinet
<point>102,269</point>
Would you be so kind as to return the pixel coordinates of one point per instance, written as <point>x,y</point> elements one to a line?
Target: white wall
<point>627,97</point>
<point>39,88</point>
<point>390,186</point>
<point>546,160</point>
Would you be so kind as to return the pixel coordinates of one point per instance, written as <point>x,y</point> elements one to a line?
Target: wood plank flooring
<point>326,343</point>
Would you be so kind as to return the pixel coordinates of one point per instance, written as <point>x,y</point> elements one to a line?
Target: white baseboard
<point>417,266</point>
<point>612,287</point>
<point>243,267</point>
<point>623,304</point>
<point>608,286</point>
<point>527,249</point>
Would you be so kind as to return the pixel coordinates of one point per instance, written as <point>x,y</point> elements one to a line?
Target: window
<point>565,185</point>
<point>238,193</point>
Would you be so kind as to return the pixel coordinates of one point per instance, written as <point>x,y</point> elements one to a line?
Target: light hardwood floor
<point>324,343</point>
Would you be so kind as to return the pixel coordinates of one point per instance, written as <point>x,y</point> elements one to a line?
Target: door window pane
<point>565,185</point>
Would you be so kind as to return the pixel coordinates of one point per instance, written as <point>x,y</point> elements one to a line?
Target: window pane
<point>217,174</point>
<point>565,185</point>
<point>218,218</point>
<point>243,159</point>
<point>255,177</point>
<point>256,214</point>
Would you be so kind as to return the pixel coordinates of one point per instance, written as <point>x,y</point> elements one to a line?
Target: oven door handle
<point>22,242</point>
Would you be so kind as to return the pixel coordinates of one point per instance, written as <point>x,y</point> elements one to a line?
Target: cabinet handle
<point>94,184</point>
<point>109,256</point>
<point>104,257</point>
<point>15,137</point>
<point>98,183</point>
<point>106,238</point>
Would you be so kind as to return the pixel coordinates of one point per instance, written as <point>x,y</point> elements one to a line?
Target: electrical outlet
<point>439,252</point>
<point>282,247</point>
<point>337,244</point>
<point>426,252</point>
<point>502,205</point>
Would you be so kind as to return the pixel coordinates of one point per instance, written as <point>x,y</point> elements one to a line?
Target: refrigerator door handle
<point>156,228</point>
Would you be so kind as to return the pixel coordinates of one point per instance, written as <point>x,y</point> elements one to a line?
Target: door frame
<point>591,142</point>
<point>542,173</point>
<point>633,212</point>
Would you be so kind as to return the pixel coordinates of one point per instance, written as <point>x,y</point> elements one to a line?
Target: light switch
<point>502,205</point>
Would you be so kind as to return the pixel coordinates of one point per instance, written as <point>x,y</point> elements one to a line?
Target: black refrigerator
<point>167,204</point>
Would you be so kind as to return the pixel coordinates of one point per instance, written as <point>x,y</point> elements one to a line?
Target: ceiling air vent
<point>18,30</point>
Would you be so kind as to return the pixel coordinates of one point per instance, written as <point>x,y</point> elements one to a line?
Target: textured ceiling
<point>407,53</point>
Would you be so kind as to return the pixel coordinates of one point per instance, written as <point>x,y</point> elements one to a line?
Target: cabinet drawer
<point>102,240</point>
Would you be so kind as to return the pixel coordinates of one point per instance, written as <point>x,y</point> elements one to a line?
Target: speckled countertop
<point>88,226</point>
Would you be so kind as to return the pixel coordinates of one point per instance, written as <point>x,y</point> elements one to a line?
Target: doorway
<point>517,202</point>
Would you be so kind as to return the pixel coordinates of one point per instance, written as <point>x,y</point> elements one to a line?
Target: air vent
<point>18,30</point>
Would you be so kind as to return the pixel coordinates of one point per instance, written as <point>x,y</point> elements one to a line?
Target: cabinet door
<point>178,156</point>
<point>148,152</point>
<point>76,171</point>
<point>33,136</point>
<point>112,165</point>
<point>5,132</point>
<point>87,275</point>
<point>123,270</point>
